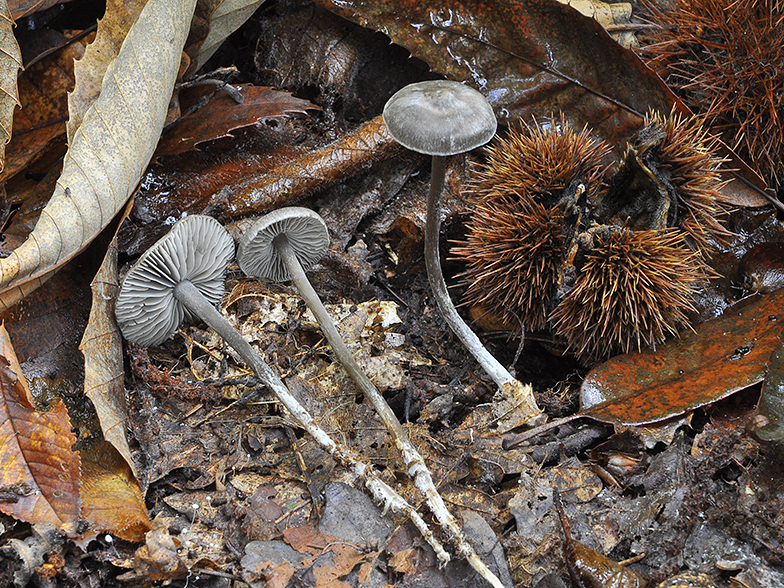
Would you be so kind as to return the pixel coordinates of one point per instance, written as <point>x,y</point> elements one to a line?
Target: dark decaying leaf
<point>527,57</point>
<point>222,115</point>
<point>721,356</point>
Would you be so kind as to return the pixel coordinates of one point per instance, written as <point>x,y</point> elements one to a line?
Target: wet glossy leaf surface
<point>722,356</point>
<point>40,473</point>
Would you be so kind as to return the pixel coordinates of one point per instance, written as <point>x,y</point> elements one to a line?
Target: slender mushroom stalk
<point>280,246</point>
<point>182,275</point>
<point>442,118</point>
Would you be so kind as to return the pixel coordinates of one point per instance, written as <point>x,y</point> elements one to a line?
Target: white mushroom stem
<point>417,468</point>
<point>490,364</point>
<point>194,300</point>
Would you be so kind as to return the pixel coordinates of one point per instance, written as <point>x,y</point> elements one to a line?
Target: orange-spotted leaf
<point>39,473</point>
<point>721,356</point>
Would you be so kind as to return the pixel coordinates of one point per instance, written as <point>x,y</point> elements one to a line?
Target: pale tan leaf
<point>10,62</point>
<point>110,150</point>
<point>103,361</point>
<point>221,18</point>
<point>610,16</point>
<point>90,69</point>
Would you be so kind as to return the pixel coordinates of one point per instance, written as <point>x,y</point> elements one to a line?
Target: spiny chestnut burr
<point>670,178</point>
<point>529,200</point>
<point>632,289</point>
<point>725,58</point>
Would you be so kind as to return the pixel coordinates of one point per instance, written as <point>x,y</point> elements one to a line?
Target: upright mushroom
<point>281,246</point>
<point>182,275</point>
<point>442,118</point>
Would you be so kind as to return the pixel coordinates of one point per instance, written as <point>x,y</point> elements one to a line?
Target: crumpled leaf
<point>90,69</point>
<point>22,8</point>
<point>10,62</point>
<point>39,471</point>
<point>219,19</point>
<point>721,356</point>
<point>110,150</point>
<point>101,346</point>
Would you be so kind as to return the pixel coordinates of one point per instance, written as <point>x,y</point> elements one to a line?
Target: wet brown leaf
<point>722,356</point>
<point>10,62</point>
<point>109,151</point>
<point>111,497</point>
<point>40,473</point>
<point>293,180</point>
<point>222,115</point>
<point>527,57</point>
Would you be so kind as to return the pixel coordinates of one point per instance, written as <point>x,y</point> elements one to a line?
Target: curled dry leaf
<point>103,359</point>
<point>10,62</point>
<point>110,150</point>
<point>40,473</point>
<point>213,22</point>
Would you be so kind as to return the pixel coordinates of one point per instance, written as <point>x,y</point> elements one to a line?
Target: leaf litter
<point>705,464</point>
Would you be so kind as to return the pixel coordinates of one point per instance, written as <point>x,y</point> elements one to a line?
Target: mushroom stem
<point>413,459</point>
<point>190,296</point>
<point>491,365</point>
<point>312,300</point>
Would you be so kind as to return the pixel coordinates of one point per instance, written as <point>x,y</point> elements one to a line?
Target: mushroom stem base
<point>491,365</point>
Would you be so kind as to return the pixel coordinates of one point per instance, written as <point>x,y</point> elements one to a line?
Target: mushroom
<point>182,275</point>
<point>283,245</point>
<point>443,118</point>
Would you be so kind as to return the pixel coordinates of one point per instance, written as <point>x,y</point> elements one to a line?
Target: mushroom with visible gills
<point>442,118</point>
<point>281,246</point>
<point>182,275</point>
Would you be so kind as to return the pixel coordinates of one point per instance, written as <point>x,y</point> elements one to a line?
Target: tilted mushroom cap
<point>439,117</point>
<point>306,233</point>
<point>197,249</point>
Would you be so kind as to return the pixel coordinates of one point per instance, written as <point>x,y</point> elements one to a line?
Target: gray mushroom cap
<point>197,249</point>
<point>439,117</point>
<point>305,231</point>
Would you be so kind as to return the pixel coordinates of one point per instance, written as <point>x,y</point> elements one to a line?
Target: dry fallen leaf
<point>40,473</point>
<point>90,69</point>
<point>101,346</point>
<point>10,62</point>
<point>110,150</point>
